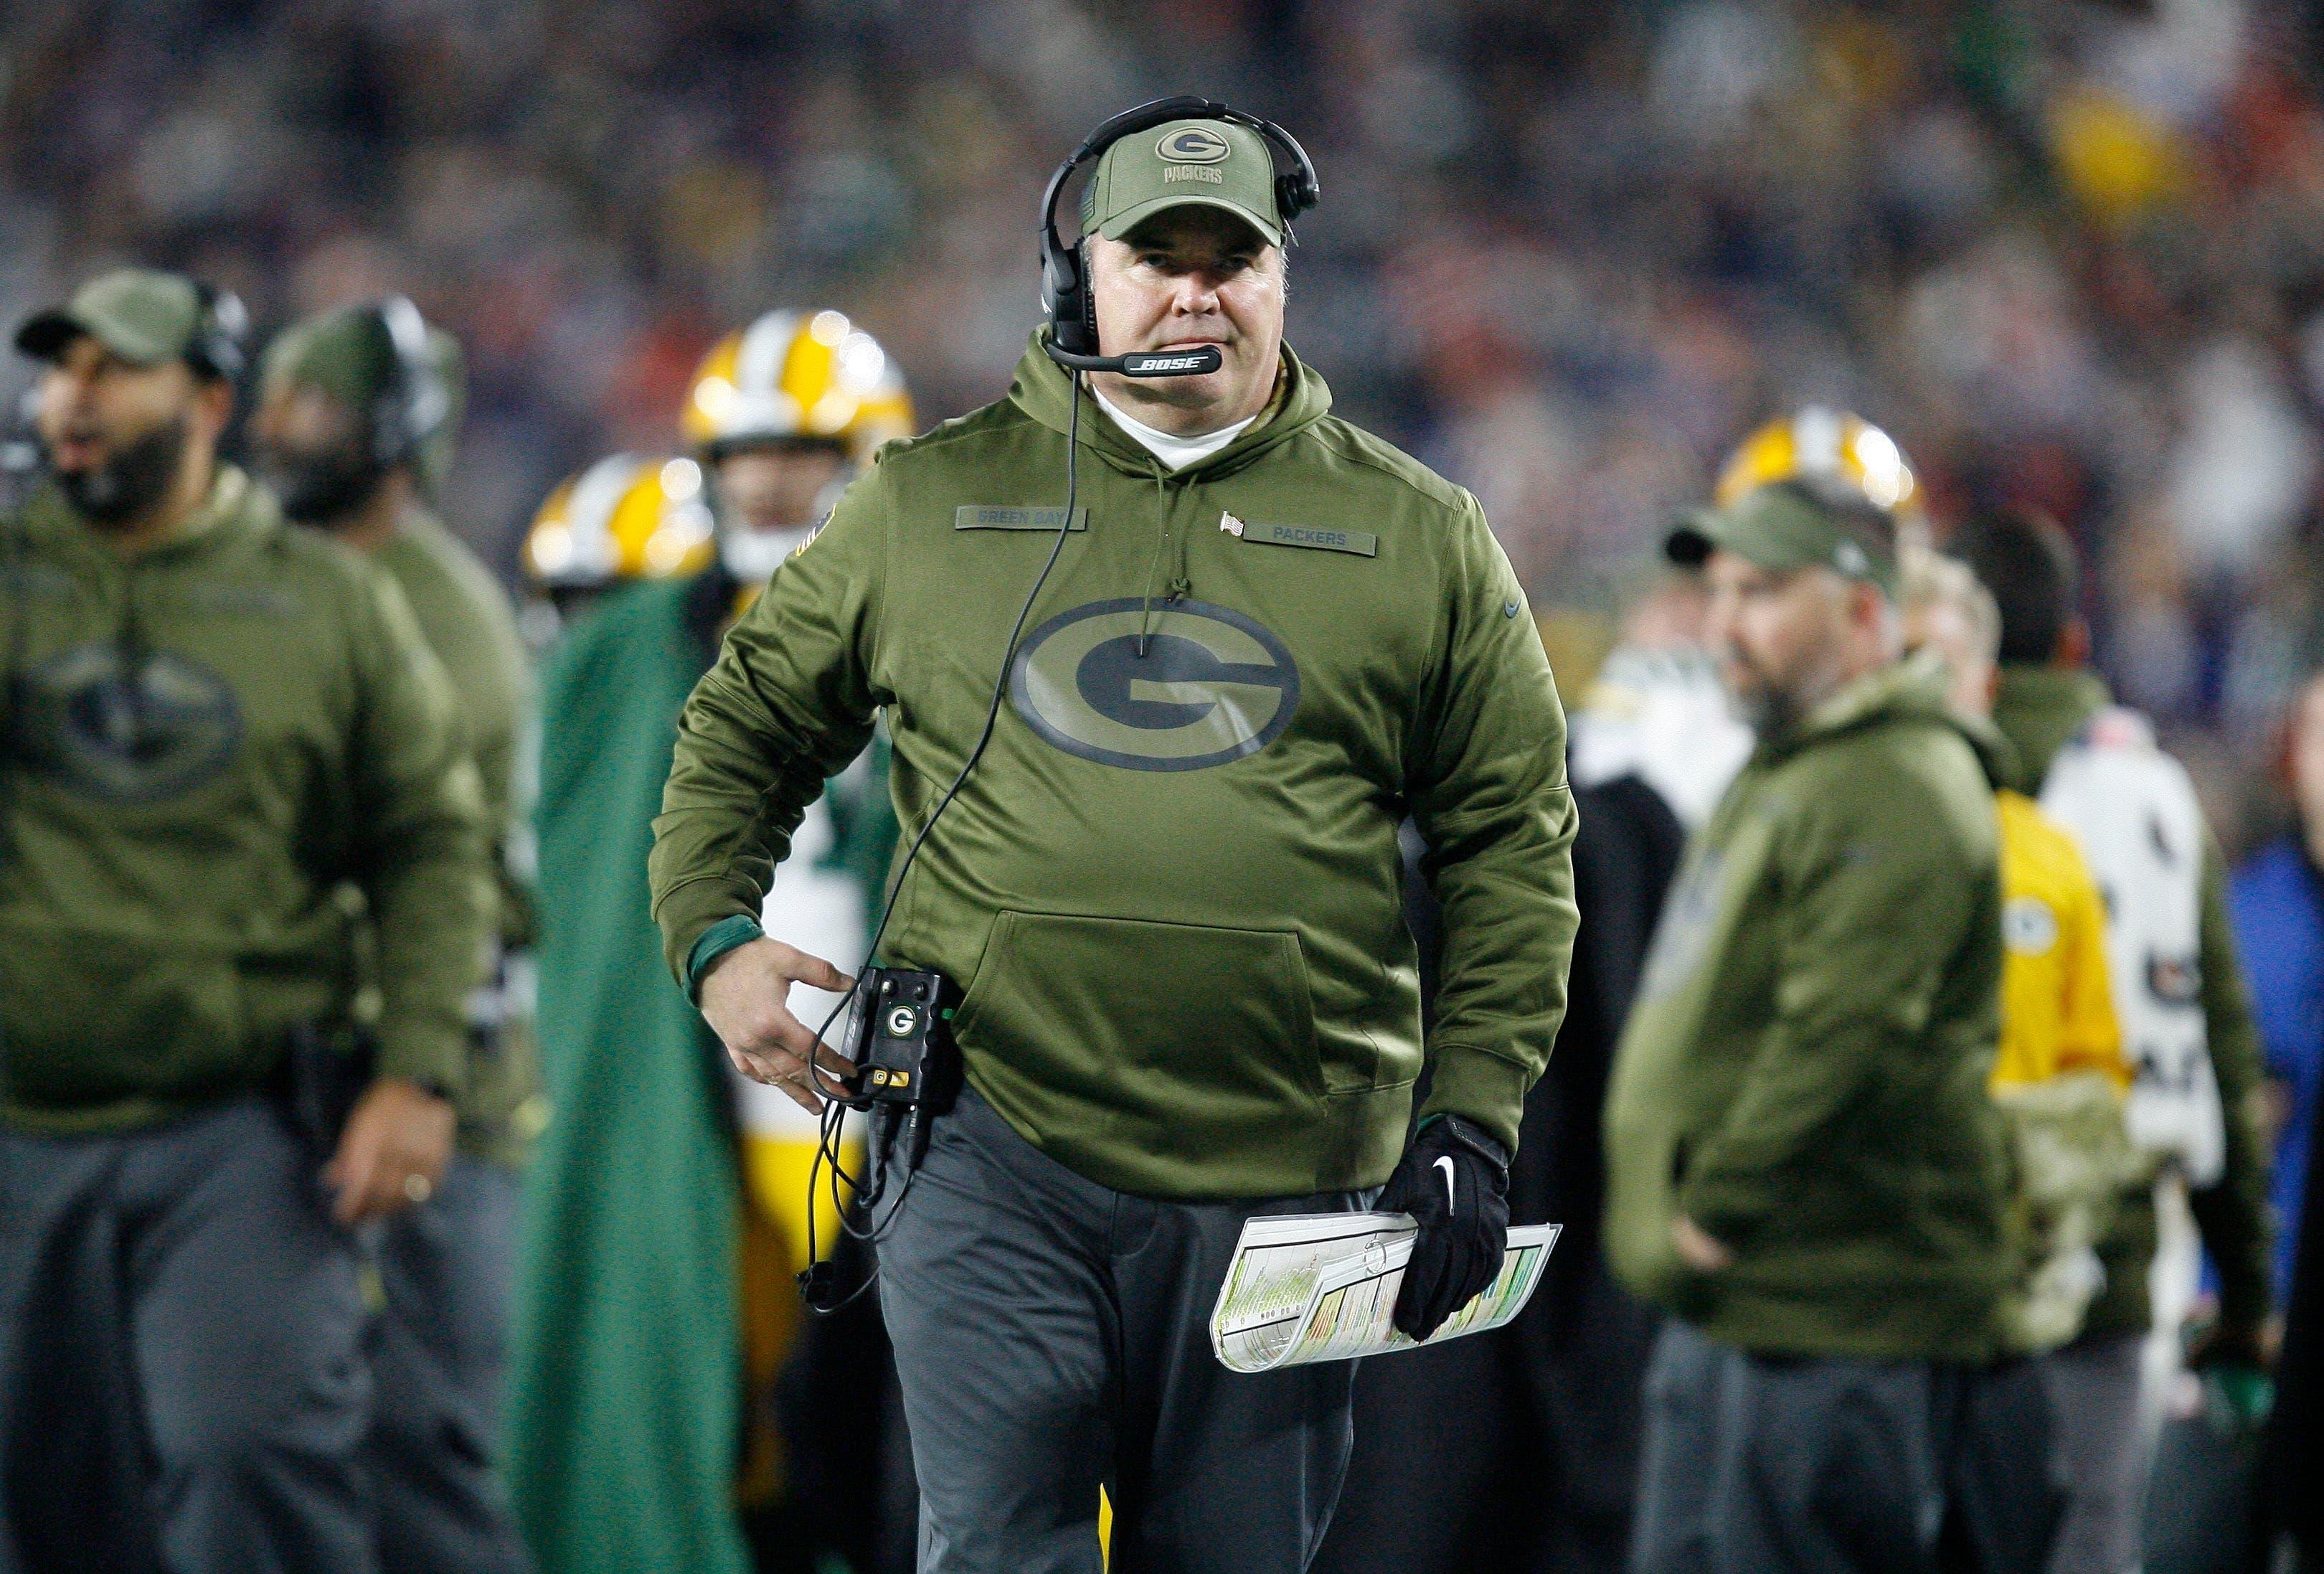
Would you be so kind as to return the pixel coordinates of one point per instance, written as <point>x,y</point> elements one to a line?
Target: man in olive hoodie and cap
<point>1171,886</point>
<point>1805,1170</point>
<point>358,411</point>
<point>215,721</point>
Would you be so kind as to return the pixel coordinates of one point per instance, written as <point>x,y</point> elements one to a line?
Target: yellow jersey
<point>2057,1010</point>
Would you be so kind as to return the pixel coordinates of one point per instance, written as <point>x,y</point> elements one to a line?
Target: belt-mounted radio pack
<point>900,1036</point>
<point>908,1072</point>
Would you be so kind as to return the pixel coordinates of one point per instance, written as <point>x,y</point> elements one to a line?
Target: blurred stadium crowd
<point>2071,255</point>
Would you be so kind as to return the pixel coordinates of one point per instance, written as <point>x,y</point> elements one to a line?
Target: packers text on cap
<point>1206,163</point>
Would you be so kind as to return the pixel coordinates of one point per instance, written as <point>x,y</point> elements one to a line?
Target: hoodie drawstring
<point>1177,586</point>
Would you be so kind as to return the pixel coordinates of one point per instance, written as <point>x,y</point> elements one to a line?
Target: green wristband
<point>728,934</point>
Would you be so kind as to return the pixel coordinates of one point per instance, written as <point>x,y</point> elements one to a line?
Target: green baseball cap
<point>140,314</point>
<point>1200,163</point>
<point>349,356</point>
<point>1795,524</point>
<point>342,352</point>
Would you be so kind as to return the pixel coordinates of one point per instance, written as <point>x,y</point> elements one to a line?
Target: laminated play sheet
<point>1322,1287</point>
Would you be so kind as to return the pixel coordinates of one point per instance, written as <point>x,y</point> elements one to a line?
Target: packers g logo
<point>89,720</point>
<point>1193,144</point>
<point>1212,687</point>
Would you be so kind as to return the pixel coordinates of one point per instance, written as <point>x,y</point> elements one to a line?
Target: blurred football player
<point>669,1204</point>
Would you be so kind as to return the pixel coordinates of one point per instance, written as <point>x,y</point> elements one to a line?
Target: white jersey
<point>1663,715</point>
<point>2134,810</point>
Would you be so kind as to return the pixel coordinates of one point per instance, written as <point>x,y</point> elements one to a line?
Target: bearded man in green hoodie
<point>214,723</point>
<point>1170,885</point>
<point>1805,1170</point>
<point>358,411</point>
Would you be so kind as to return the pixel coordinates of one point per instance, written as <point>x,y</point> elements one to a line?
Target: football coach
<point>1173,655</point>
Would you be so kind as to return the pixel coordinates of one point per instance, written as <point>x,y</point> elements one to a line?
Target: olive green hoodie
<point>464,616</point>
<point>2038,710</point>
<point>1171,885</point>
<point>213,734</point>
<point>1805,1073</point>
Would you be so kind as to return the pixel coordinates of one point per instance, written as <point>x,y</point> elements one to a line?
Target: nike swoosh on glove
<point>1454,1182</point>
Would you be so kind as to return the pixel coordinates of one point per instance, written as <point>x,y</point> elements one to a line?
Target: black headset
<point>219,324</point>
<point>415,402</point>
<point>1065,298</point>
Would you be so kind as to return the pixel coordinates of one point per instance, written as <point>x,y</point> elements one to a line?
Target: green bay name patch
<point>1363,543</point>
<point>983,516</point>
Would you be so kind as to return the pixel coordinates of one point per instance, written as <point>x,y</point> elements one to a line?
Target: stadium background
<point>2068,254</point>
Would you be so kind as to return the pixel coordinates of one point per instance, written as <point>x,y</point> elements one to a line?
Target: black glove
<point>1454,1181</point>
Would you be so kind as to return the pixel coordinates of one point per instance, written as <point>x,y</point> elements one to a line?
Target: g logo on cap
<point>1193,144</point>
<point>1212,687</point>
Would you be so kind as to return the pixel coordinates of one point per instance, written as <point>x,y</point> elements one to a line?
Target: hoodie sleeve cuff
<point>691,908</point>
<point>726,935</point>
<point>436,1060</point>
<point>1481,1087</point>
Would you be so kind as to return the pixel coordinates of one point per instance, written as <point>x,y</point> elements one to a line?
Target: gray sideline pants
<point>182,1382</point>
<point>1774,1465</point>
<point>1052,1336</point>
<point>447,1269</point>
<point>2093,1388</point>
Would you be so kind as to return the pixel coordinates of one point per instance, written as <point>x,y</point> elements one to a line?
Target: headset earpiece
<point>414,403</point>
<point>1293,195</point>
<point>1086,296</point>
<point>220,321</point>
<point>1296,190</point>
<point>1064,300</point>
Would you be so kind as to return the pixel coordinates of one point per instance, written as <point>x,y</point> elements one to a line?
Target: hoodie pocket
<point>1149,1019</point>
<point>93,1019</point>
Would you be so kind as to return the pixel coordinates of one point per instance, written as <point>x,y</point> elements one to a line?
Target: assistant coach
<point>1169,885</point>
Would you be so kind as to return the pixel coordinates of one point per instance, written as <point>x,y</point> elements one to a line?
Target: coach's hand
<point>1454,1181</point>
<point>746,1000</point>
<point>392,1153</point>
<point>1697,1247</point>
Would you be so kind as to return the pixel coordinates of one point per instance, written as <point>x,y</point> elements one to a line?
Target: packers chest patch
<point>1360,543</point>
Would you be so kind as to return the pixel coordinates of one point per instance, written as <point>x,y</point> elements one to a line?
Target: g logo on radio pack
<point>1193,144</point>
<point>1213,686</point>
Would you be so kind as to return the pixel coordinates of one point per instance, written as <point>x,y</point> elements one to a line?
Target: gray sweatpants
<point>182,1383</point>
<point>2094,1389</point>
<point>1052,1336</point>
<point>1776,1465</point>
<point>447,1269</point>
